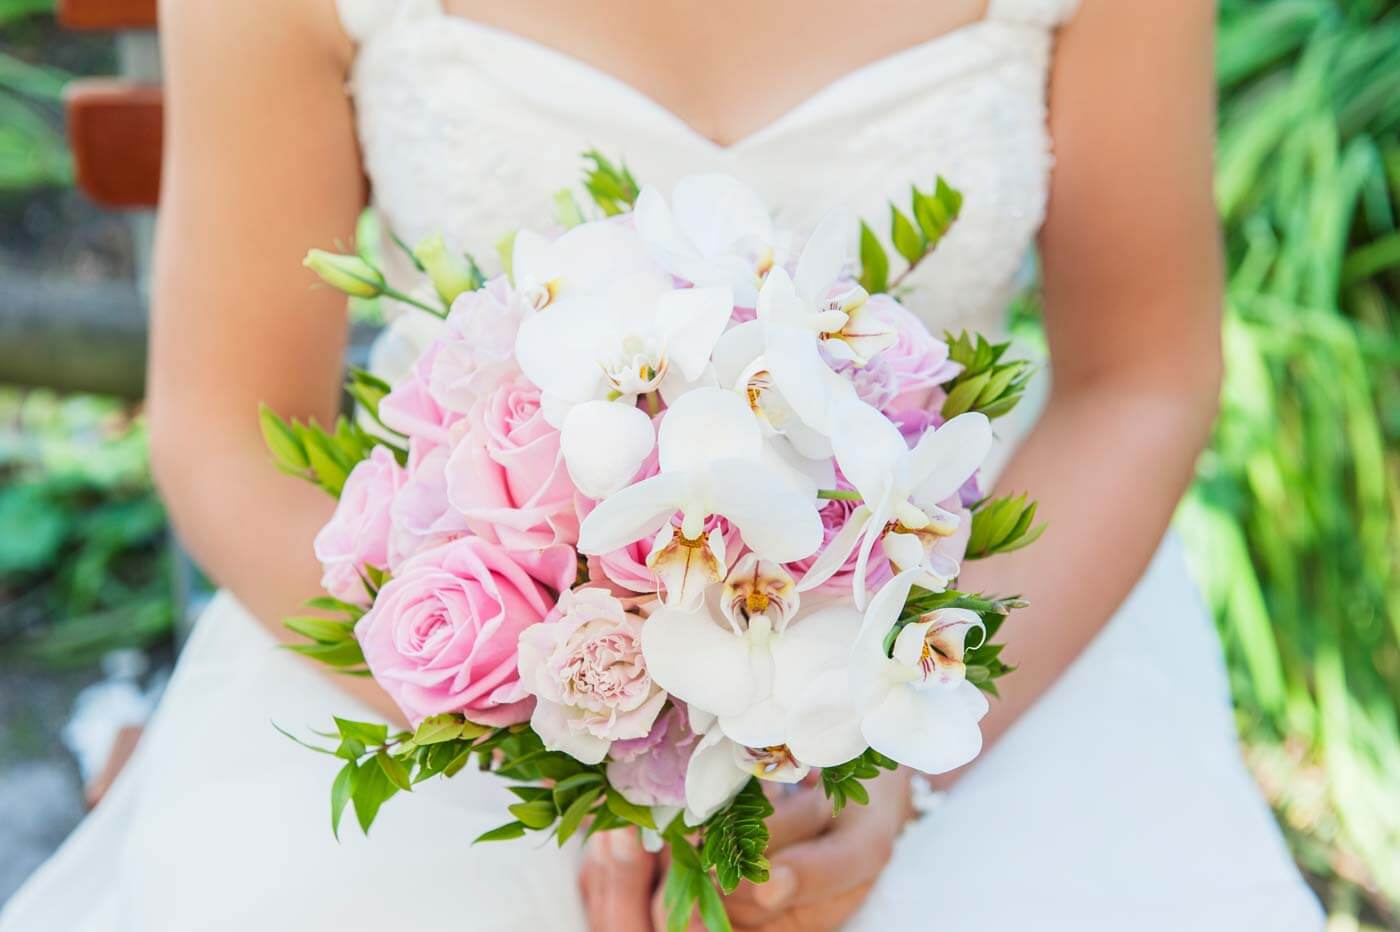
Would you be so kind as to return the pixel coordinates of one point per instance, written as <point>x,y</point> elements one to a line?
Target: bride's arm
<point>260,164</point>
<point>1132,277</point>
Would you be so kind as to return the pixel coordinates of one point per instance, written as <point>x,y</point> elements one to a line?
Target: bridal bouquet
<point>666,510</point>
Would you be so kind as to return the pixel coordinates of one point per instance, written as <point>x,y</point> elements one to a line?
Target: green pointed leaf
<point>282,441</point>
<point>875,263</point>
<point>536,814</point>
<point>907,241</point>
<point>322,630</point>
<point>395,770</point>
<point>631,812</point>
<point>340,794</point>
<point>573,816</point>
<point>963,394</point>
<point>505,832</point>
<point>438,728</point>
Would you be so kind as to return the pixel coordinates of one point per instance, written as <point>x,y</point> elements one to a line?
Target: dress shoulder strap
<point>1048,13</point>
<point>361,19</point>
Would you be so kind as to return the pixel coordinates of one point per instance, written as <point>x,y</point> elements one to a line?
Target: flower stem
<point>410,299</point>
<point>839,495</point>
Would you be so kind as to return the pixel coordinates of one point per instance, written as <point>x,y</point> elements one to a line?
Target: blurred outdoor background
<point>1293,524</point>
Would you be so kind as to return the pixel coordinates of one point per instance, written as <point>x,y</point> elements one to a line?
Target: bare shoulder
<point>305,32</point>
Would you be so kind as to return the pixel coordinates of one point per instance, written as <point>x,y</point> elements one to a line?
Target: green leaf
<point>282,441</point>
<point>567,213</point>
<point>907,240</point>
<point>438,728</point>
<point>536,814</point>
<point>736,838</point>
<point>962,396</point>
<point>340,794</point>
<point>372,734</point>
<point>322,630</point>
<point>395,770</point>
<point>874,262</point>
<point>712,908</point>
<point>631,812</point>
<point>573,816</point>
<point>371,788</point>
<point>612,187</point>
<point>502,833</point>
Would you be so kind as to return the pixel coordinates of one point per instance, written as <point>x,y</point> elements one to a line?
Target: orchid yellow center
<point>767,762</point>
<point>637,368</point>
<point>541,296</point>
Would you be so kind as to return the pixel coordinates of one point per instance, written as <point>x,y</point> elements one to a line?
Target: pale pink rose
<point>442,635</point>
<point>421,517</point>
<point>506,476</point>
<point>835,514</point>
<point>411,410</point>
<point>584,666</point>
<point>650,771</point>
<point>358,533</point>
<point>918,359</point>
<point>476,351</point>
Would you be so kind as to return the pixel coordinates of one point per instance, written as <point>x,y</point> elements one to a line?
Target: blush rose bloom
<point>919,360</point>
<point>585,669</point>
<point>506,476</point>
<point>411,410</point>
<point>476,348</point>
<point>442,635</point>
<point>651,771</point>
<point>421,516</point>
<point>358,533</point>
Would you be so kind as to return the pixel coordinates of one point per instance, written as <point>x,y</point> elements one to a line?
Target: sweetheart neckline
<point>682,126</point>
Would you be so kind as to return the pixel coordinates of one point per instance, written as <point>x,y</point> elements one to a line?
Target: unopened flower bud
<point>349,274</point>
<point>450,273</point>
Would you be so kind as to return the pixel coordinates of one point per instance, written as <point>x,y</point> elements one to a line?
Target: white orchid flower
<point>739,364</point>
<point>583,260</point>
<point>715,231</point>
<point>901,489</point>
<point>592,355</point>
<point>913,703</point>
<point>751,665</point>
<point>720,767</point>
<point>711,465</point>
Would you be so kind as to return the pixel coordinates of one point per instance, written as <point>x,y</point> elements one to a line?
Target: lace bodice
<point>468,130</point>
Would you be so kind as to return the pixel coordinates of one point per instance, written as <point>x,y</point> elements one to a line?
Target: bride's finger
<point>799,815</point>
<point>616,881</point>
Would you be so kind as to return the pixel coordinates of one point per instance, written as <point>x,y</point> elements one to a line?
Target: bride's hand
<point>823,868</point>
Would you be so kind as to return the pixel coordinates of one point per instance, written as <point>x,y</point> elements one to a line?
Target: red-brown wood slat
<point>107,14</point>
<point>114,132</point>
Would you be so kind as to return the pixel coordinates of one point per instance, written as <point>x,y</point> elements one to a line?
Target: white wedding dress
<point>1118,802</point>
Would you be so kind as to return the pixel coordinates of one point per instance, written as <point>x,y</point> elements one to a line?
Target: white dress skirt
<point>1118,802</point>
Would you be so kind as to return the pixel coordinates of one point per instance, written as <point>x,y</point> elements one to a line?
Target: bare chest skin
<point>727,68</point>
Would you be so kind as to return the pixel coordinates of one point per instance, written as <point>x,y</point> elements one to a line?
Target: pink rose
<point>421,516</point>
<point>650,771</point>
<point>506,476</point>
<point>358,533</point>
<point>442,635</point>
<point>585,669</point>
<point>918,359</point>
<point>835,514</point>
<point>411,409</point>
<point>476,351</point>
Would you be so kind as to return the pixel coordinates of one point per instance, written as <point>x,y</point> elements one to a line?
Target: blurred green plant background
<point>1293,524</point>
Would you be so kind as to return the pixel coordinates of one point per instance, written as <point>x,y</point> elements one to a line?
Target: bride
<point>1111,795</point>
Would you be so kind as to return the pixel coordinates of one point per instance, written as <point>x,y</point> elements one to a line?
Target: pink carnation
<point>358,533</point>
<point>506,475</point>
<point>650,771</point>
<point>442,635</point>
<point>585,668</point>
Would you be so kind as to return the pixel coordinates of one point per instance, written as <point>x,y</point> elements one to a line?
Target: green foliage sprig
<point>307,450</point>
<point>1001,525</point>
<point>332,639</point>
<point>986,384</point>
<point>612,187</point>
<point>846,782</point>
<point>914,238</point>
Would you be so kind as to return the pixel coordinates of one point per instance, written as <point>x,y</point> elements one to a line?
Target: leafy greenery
<point>1001,525</point>
<point>325,458</point>
<point>846,782</point>
<point>914,239</point>
<point>612,187</point>
<point>985,384</point>
<point>32,149</point>
<point>83,543</point>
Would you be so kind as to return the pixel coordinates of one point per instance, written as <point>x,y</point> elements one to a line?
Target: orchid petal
<point>943,459</point>
<point>825,731</point>
<point>868,447</point>
<point>810,646</point>
<point>837,552</point>
<point>879,517</point>
<point>736,348</point>
<point>933,730</point>
<point>557,348</point>
<point>702,662</point>
<point>631,513</point>
<point>762,724</point>
<point>690,321</point>
<point>776,522</point>
<point>712,778</point>
<point>705,425</point>
<point>825,256</point>
<point>604,444</point>
<point>717,210</point>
